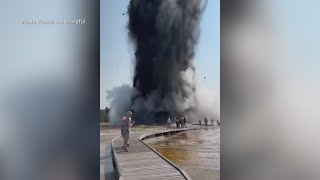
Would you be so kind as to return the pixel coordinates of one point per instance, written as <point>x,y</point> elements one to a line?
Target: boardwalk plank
<point>141,163</point>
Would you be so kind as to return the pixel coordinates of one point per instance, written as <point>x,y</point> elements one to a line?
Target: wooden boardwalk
<point>142,163</point>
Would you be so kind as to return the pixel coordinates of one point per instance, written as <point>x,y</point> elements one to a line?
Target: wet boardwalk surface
<point>141,162</point>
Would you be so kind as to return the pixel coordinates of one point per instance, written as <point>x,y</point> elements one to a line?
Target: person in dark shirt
<point>177,121</point>
<point>206,121</point>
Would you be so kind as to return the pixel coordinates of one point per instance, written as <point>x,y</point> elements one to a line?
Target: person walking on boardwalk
<point>206,121</point>
<point>200,122</point>
<point>168,122</point>
<point>126,124</point>
<point>181,121</point>
<point>177,121</point>
<point>212,121</point>
<point>184,122</point>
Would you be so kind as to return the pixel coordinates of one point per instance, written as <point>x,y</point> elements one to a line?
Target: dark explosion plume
<point>164,33</point>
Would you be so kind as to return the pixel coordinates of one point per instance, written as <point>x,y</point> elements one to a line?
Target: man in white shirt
<point>126,124</point>
<point>168,122</point>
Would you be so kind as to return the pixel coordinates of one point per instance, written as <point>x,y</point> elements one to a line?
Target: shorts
<point>125,134</point>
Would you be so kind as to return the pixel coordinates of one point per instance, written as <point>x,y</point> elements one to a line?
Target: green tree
<point>102,115</point>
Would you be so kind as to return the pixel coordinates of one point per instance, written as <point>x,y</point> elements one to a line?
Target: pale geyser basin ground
<point>197,152</point>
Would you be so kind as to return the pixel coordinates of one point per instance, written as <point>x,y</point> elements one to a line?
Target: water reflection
<point>195,151</point>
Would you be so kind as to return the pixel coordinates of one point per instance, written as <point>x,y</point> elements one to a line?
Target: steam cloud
<point>164,34</point>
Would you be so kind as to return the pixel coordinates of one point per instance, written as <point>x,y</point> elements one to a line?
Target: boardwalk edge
<point>152,135</point>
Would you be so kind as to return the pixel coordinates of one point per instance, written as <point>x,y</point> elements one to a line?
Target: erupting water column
<point>164,33</point>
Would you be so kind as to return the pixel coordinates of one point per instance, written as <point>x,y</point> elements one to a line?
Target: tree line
<point>104,115</point>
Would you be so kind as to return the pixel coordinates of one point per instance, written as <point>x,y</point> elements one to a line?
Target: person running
<point>168,122</point>
<point>206,121</point>
<point>126,124</point>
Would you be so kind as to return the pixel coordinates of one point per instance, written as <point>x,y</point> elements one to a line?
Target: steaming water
<point>164,35</point>
<point>195,151</point>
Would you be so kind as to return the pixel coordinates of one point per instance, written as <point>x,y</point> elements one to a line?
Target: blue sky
<point>116,51</point>
<point>296,24</point>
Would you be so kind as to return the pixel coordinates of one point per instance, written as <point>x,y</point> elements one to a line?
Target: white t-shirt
<point>125,123</point>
